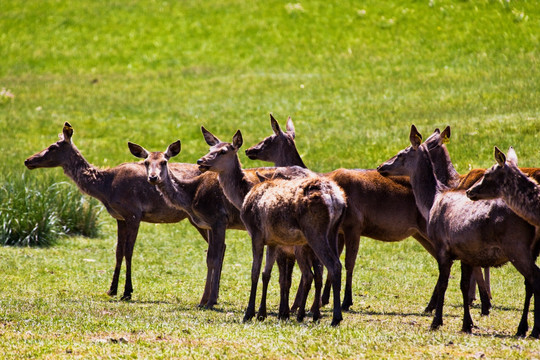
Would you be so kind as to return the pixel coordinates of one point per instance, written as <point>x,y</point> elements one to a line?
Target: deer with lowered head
<point>379,207</point>
<point>285,212</point>
<point>128,198</point>
<point>202,198</point>
<point>484,233</point>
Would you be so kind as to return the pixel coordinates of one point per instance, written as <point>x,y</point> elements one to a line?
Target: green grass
<point>353,76</point>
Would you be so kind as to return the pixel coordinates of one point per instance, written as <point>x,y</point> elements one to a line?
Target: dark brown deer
<point>484,233</point>
<point>379,207</point>
<point>505,180</point>
<point>202,198</point>
<point>128,198</point>
<point>284,212</point>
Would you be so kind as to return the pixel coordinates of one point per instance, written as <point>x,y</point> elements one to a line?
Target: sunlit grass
<point>353,76</point>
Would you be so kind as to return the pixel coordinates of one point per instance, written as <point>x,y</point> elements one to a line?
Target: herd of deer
<point>309,218</point>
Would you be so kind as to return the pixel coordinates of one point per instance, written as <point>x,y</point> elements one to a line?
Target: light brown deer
<point>202,198</point>
<point>285,212</point>
<point>484,233</point>
<point>383,207</point>
<point>128,198</point>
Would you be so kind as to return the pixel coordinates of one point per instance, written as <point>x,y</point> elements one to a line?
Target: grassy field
<point>353,75</point>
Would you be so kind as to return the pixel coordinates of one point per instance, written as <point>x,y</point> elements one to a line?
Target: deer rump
<point>282,208</point>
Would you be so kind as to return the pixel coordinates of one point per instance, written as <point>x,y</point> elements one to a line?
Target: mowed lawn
<point>352,75</point>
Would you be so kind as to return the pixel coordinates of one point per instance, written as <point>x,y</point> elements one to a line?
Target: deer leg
<point>466,275</point>
<point>445,266</point>
<point>341,243</point>
<point>472,289</point>
<point>285,263</point>
<point>318,276</point>
<point>271,254</point>
<point>352,241</point>
<point>523,326</point>
<point>206,292</point>
<point>321,247</point>
<point>487,280</point>
<point>214,261</point>
<point>132,229</point>
<point>483,289</point>
<point>120,244</point>
<point>307,276</point>
<point>257,248</point>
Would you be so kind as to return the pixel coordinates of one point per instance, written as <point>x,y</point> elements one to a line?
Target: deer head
<point>489,187</point>
<point>222,155</point>
<point>54,155</point>
<point>276,145</point>
<point>155,162</point>
<point>400,164</point>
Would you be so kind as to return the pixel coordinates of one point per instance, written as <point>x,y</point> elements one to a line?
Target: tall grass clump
<point>36,212</point>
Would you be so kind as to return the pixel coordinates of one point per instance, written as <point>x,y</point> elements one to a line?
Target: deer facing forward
<point>285,212</point>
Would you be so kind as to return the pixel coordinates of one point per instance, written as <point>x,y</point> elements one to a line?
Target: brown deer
<point>379,207</point>
<point>128,198</point>
<point>202,198</point>
<point>505,180</point>
<point>285,212</point>
<point>484,233</point>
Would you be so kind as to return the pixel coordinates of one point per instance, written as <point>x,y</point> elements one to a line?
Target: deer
<point>202,198</point>
<point>484,233</point>
<point>379,207</point>
<point>129,199</point>
<point>285,212</point>
<point>505,180</point>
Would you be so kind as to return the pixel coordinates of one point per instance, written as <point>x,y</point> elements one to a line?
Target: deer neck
<point>522,195</point>
<point>178,192</point>
<point>424,184</point>
<point>290,158</point>
<point>443,168</point>
<point>86,176</point>
<point>235,184</point>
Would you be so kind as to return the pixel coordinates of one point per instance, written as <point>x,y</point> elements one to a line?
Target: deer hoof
<point>126,297</point>
<point>535,333</point>
<point>336,322</point>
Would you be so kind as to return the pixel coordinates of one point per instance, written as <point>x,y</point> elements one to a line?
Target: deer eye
<point>223,152</point>
<point>163,162</point>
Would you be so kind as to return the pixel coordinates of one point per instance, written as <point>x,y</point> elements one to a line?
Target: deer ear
<point>210,138</point>
<point>290,127</point>
<point>237,140</point>
<point>261,177</point>
<point>445,135</point>
<point>499,157</point>
<point>173,149</point>
<point>275,125</point>
<point>511,156</point>
<point>138,150</point>
<point>415,137</point>
<point>67,132</point>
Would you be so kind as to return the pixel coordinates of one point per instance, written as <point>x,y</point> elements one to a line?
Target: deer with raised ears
<point>505,180</point>
<point>484,233</point>
<point>281,212</point>
<point>124,192</point>
<point>199,196</point>
<point>202,198</point>
<point>379,207</point>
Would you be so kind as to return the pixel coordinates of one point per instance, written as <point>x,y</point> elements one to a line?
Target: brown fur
<point>379,207</point>
<point>304,211</point>
<point>478,234</point>
<point>124,192</point>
